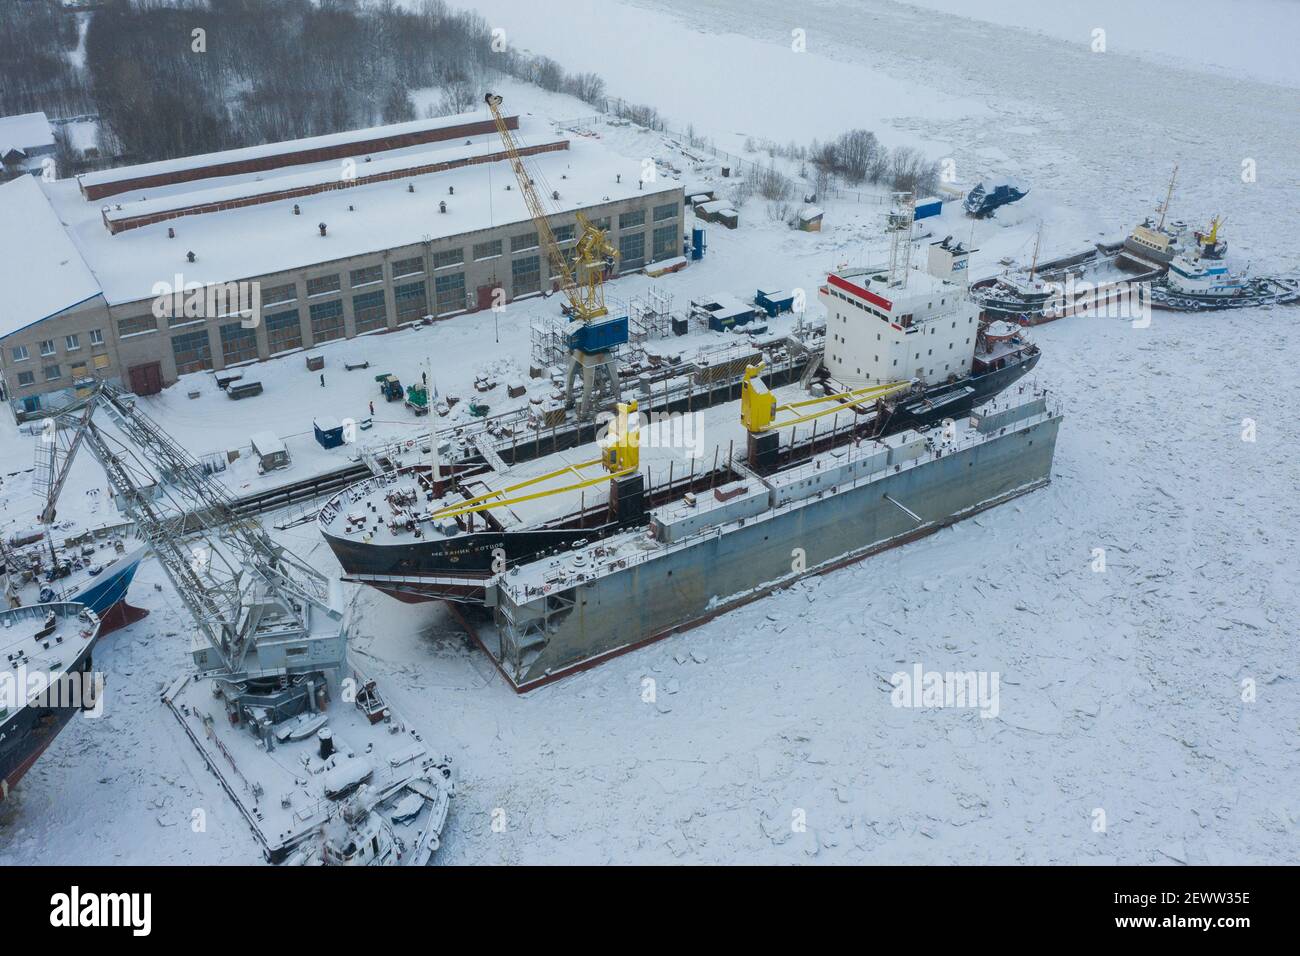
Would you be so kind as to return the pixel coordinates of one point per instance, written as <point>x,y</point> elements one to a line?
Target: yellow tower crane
<point>591,347</point>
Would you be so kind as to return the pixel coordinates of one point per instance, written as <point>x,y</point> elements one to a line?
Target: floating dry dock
<point>705,554</point>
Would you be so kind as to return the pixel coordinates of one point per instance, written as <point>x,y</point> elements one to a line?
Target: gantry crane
<point>269,620</point>
<point>592,344</point>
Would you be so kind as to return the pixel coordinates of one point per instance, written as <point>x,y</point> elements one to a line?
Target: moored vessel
<point>45,681</point>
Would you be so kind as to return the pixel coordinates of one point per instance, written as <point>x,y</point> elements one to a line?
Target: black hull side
<point>28,733</point>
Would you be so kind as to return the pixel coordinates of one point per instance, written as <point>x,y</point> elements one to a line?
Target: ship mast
<point>1033,264</point>
<point>1169,193</point>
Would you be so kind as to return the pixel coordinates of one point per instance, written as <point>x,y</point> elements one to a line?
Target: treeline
<point>36,69</point>
<point>855,158</point>
<point>188,77</point>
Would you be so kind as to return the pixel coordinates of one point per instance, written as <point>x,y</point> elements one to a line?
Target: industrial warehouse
<point>324,238</point>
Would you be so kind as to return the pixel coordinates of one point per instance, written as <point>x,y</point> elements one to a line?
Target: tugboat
<point>1202,281</point>
<point>46,679</point>
<point>1154,242</point>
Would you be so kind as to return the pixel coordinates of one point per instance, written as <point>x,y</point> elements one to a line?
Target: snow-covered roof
<point>41,271</point>
<point>24,132</point>
<point>267,238</point>
<point>239,188</point>
<point>225,157</point>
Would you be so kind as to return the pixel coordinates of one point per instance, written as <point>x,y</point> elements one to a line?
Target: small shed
<point>810,219</point>
<point>727,216</point>
<point>315,361</point>
<point>774,303</point>
<point>329,432</point>
<point>243,388</point>
<point>270,452</point>
<point>708,211</point>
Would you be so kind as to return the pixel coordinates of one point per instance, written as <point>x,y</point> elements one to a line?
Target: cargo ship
<point>901,357</point>
<point>45,681</point>
<point>93,570</point>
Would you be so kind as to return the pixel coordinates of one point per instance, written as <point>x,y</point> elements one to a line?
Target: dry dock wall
<point>673,589</point>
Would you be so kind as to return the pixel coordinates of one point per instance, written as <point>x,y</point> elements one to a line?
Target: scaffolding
<point>651,317</point>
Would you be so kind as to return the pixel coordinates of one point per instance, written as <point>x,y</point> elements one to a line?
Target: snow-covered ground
<point>1121,691</point>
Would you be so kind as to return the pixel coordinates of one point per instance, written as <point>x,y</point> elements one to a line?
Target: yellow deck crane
<point>758,411</point>
<point>758,405</point>
<point>620,456</point>
<point>592,344</point>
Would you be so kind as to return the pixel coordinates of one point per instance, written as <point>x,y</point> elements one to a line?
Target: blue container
<point>925,208</point>
<point>329,434</point>
<point>774,303</point>
<point>697,242</point>
<point>599,336</point>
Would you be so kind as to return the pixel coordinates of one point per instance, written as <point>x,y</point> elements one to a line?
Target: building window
<point>449,291</point>
<point>410,301</point>
<point>238,344</point>
<point>526,241</point>
<point>408,267</point>
<point>279,294</point>
<point>323,285</point>
<point>487,250</point>
<point>631,251</point>
<point>666,211</point>
<point>193,352</point>
<point>78,371</point>
<point>602,223</point>
<point>26,378</point>
<point>137,325</point>
<point>47,347</point>
<point>564,233</point>
<point>71,343</point>
<point>369,311</point>
<point>525,276</point>
<point>326,321</point>
<point>283,332</point>
<point>96,336</point>
<point>448,257</point>
<point>100,362</point>
<point>630,220</point>
<point>665,242</point>
<point>20,353</point>
<point>180,318</point>
<point>367,275</point>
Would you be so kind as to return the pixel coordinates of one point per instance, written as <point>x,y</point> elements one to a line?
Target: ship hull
<point>458,568</point>
<point>28,734</point>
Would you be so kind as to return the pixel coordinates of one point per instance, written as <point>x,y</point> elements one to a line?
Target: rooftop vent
<point>189,257</point>
<point>410,187</point>
<point>171,233</point>
<point>442,206</point>
<point>296,210</point>
<point>322,228</point>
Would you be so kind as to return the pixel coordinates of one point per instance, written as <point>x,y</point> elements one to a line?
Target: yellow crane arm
<point>586,299</point>
<point>758,406</point>
<point>491,499</point>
